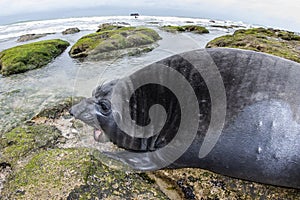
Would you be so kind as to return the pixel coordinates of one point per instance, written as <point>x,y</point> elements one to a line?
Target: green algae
<point>106,183</point>
<point>111,39</point>
<point>22,141</point>
<point>75,174</point>
<point>59,108</point>
<point>108,27</point>
<point>186,28</point>
<point>30,56</point>
<point>277,42</point>
<point>49,175</point>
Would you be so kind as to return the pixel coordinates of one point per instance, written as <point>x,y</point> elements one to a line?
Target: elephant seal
<point>233,112</point>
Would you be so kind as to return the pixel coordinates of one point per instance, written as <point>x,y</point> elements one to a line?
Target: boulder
<point>70,31</point>
<point>187,28</point>
<point>109,27</point>
<point>28,37</point>
<point>112,42</point>
<point>30,56</point>
<point>273,41</point>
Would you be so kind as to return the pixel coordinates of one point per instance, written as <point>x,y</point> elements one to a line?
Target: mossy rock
<point>106,183</point>
<point>23,141</point>
<point>187,28</point>
<point>203,184</point>
<point>58,109</point>
<point>103,43</point>
<point>75,174</point>
<point>30,56</point>
<point>109,27</point>
<point>277,42</point>
<point>71,31</point>
<point>49,175</point>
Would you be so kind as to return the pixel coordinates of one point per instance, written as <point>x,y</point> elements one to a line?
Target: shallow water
<point>23,95</point>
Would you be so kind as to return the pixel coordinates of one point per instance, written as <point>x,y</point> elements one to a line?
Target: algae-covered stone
<point>75,174</point>
<point>106,183</point>
<point>49,175</point>
<point>107,43</point>
<point>277,42</point>
<point>22,141</point>
<point>71,31</point>
<point>186,28</point>
<point>59,108</point>
<point>30,56</point>
<point>202,184</point>
<point>109,27</point>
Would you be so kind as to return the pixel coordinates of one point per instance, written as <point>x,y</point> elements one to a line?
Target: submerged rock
<point>28,37</point>
<point>226,27</point>
<point>187,28</point>
<point>30,56</point>
<point>114,42</point>
<point>70,31</point>
<point>277,42</point>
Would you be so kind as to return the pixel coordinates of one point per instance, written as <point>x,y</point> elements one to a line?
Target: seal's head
<point>96,111</point>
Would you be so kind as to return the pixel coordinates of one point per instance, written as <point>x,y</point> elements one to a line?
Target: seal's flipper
<point>137,162</point>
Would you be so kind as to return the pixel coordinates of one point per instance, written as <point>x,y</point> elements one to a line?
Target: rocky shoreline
<point>53,156</point>
<point>276,42</point>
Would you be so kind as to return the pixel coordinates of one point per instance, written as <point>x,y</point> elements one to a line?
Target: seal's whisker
<point>105,69</point>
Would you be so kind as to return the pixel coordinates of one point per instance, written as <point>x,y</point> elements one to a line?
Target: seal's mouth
<point>100,136</point>
<point>97,134</point>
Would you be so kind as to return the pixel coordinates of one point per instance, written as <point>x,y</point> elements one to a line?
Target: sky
<point>284,14</point>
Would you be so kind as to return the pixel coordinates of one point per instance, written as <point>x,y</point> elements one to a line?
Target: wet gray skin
<point>260,140</point>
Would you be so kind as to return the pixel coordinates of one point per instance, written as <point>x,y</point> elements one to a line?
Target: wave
<point>91,24</point>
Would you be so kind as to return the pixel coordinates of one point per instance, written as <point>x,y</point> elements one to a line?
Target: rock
<point>226,27</point>
<point>277,42</point>
<point>123,23</point>
<point>114,42</point>
<point>70,31</point>
<point>112,26</point>
<point>187,28</point>
<point>27,37</point>
<point>75,174</point>
<point>30,56</point>
<point>37,166</point>
<point>201,184</point>
<point>22,141</point>
<point>59,109</point>
<point>153,23</point>
<point>109,27</point>
<point>49,174</point>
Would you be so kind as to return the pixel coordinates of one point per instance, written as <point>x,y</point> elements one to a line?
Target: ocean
<point>23,95</point>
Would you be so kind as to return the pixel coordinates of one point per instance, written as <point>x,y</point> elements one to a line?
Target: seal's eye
<point>104,107</point>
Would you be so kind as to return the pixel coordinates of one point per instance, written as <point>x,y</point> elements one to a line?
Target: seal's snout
<point>71,113</point>
<point>75,110</point>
